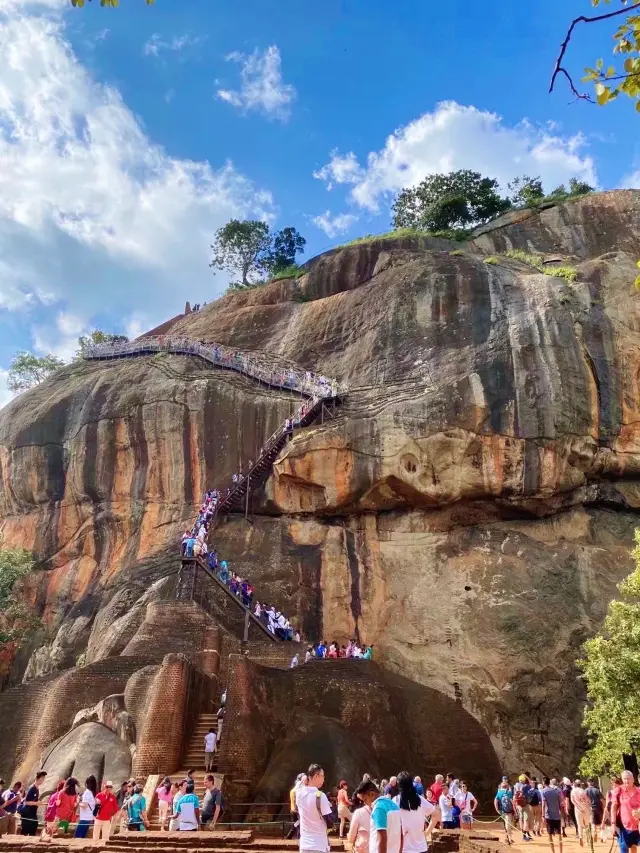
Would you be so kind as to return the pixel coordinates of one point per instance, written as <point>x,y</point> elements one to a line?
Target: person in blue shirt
<point>385,834</point>
<point>417,784</point>
<point>503,804</point>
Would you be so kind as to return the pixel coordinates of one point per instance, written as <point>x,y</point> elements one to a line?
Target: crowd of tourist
<point>333,651</point>
<point>103,811</point>
<point>405,812</point>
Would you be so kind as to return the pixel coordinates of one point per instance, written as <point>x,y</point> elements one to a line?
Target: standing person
<point>503,804</point>
<point>436,787</point>
<point>29,813</point>
<point>569,813</point>
<point>188,810</point>
<point>12,799</point>
<point>521,792</point>
<point>467,804</point>
<point>107,806</point>
<point>209,748</point>
<point>66,804</point>
<point>582,809</point>
<point>597,806</point>
<point>4,816</point>
<point>445,803</point>
<point>391,789</point>
<point>50,813</point>
<point>180,791</point>
<point>212,803</point>
<point>87,805</point>
<point>344,812</point>
<point>614,783</point>
<point>315,812</point>
<point>137,820</point>
<point>360,826</point>
<point>301,781</point>
<point>535,801</point>
<point>386,827</point>
<point>417,784</point>
<point>552,798</point>
<point>294,661</point>
<point>165,799</point>
<point>625,802</point>
<point>453,783</point>
<point>414,811</point>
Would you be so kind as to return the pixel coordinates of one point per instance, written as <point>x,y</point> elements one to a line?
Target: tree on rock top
<point>98,337</point>
<point>28,370</point>
<point>611,670</point>
<point>442,202</point>
<point>248,249</point>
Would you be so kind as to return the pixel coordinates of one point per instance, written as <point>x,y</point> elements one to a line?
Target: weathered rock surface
<point>469,509</point>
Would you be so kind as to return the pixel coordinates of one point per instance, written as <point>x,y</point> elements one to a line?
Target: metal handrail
<point>304,381</point>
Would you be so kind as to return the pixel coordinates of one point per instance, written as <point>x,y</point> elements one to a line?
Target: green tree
<point>17,620</point>
<point>28,370</point>
<point>526,191</point>
<point>577,187</point>
<point>611,670</point>
<point>620,78</point>
<point>242,248</point>
<point>97,337</point>
<point>286,245</point>
<point>455,200</point>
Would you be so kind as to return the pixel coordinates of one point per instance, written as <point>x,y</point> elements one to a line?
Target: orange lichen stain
<point>197,455</point>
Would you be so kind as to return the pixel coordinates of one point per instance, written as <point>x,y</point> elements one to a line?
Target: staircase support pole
<point>245,633</point>
<point>246,506</point>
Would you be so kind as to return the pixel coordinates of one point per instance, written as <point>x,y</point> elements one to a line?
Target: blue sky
<point>128,136</point>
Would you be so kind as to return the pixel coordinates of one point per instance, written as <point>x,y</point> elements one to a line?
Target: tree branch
<point>559,69</point>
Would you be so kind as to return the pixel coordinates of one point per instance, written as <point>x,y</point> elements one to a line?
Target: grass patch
<point>492,259</point>
<point>458,234</point>
<point>294,271</point>
<point>457,252</point>
<point>569,274</point>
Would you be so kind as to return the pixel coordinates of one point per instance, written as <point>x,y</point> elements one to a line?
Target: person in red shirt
<point>626,803</point>
<point>436,788</point>
<point>108,809</point>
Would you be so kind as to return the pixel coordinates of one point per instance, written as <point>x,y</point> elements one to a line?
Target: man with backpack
<point>535,801</point>
<point>315,813</point>
<point>521,793</point>
<point>503,804</point>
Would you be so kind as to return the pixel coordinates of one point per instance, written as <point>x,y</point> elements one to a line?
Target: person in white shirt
<point>209,748</point>
<point>87,805</point>
<point>446,808</point>
<point>360,826</point>
<point>294,662</point>
<point>453,783</point>
<point>467,804</point>
<point>414,811</point>
<point>315,813</point>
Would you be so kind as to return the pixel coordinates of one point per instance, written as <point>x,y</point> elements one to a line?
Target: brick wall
<point>172,627</point>
<point>160,739</point>
<point>36,714</point>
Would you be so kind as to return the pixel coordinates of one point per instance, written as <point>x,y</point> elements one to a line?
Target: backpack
<point>520,799</point>
<point>534,797</point>
<point>506,806</point>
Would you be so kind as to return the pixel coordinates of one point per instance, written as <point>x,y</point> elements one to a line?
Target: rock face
<point>469,509</point>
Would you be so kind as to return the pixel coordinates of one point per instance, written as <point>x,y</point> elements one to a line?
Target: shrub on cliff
<point>454,200</point>
<point>611,670</point>
<point>17,620</point>
<point>247,248</point>
<point>28,370</point>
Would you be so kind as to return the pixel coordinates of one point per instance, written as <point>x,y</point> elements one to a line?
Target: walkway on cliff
<point>319,391</point>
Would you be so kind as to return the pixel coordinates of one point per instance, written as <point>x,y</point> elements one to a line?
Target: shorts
<point>554,827</point>
<point>448,824</point>
<point>597,817</point>
<point>467,819</point>
<point>631,837</point>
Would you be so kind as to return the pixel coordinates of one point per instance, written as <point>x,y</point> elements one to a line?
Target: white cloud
<point>261,85</point>
<point>631,181</point>
<point>6,396</point>
<point>455,137</point>
<point>96,219</point>
<point>343,169</point>
<point>334,225</point>
<point>157,45</point>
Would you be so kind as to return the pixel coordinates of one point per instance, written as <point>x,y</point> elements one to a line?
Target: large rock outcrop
<point>469,509</point>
